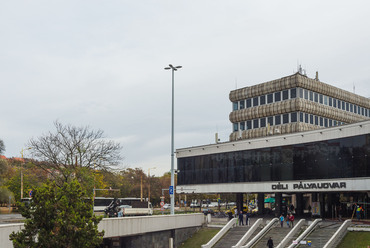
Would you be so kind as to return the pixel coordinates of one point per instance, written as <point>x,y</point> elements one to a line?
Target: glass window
<point>355,109</point>
<point>316,97</point>
<point>262,100</point>
<point>339,104</point>
<point>270,120</point>
<point>249,103</point>
<point>366,112</point>
<point>277,119</point>
<point>300,92</point>
<point>325,100</point>
<point>321,121</point>
<point>285,118</point>
<point>255,123</point>
<point>320,98</point>
<point>347,106</point>
<point>235,127</point>
<point>326,122</point>
<point>363,111</point>
<point>242,125</point>
<point>335,123</point>
<point>241,104</point>
<point>293,93</point>
<point>249,125</point>
<point>306,118</point>
<point>311,96</point>
<point>311,119</point>
<point>343,105</point>
<point>285,94</point>
<point>334,102</point>
<point>270,98</point>
<point>330,123</point>
<point>263,122</point>
<point>316,120</point>
<point>293,117</point>
<point>330,101</point>
<point>255,101</point>
<point>351,107</point>
<point>301,116</point>
<point>235,106</point>
<point>358,109</point>
<point>278,96</point>
<point>306,94</point>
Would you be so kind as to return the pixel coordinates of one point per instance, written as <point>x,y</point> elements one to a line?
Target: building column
<point>299,204</point>
<point>239,201</point>
<point>322,205</point>
<point>278,203</point>
<point>331,205</point>
<point>261,202</point>
<point>314,197</point>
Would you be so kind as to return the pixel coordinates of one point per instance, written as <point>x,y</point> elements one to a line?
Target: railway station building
<point>297,139</point>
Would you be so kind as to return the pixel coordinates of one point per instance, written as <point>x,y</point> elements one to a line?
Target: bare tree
<point>64,152</point>
<point>2,146</point>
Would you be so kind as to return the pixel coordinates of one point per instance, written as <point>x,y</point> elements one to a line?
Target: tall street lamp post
<point>149,182</point>
<point>22,171</point>
<point>173,68</point>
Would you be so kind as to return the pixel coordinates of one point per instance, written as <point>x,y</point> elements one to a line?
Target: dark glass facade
<point>337,158</point>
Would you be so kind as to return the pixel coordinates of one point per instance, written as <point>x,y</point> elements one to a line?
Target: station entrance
<point>328,205</point>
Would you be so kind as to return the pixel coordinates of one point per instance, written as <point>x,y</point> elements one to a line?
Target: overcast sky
<point>100,64</point>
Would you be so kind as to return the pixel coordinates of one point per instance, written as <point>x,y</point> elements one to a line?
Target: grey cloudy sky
<point>100,63</point>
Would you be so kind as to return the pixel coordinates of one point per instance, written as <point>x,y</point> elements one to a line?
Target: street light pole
<point>22,171</point>
<point>173,68</point>
<point>149,182</point>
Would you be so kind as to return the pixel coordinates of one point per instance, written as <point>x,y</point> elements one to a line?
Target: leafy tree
<point>2,146</point>
<point>33,177</point>
<point>58,217</point>
<point>69,148</point>
<point>5,193</point>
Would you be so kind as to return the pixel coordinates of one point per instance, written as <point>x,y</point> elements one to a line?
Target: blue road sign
<point>171,190</point>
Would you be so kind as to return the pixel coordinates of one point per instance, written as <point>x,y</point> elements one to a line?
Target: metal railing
<point>341,230</point>
<point>309,229</point>
<point>295,229</point>
<point>221,233</point>
<point>261,233</point>
<point>249,233</point>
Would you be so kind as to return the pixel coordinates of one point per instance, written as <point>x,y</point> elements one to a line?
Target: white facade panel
<point>326,185</point>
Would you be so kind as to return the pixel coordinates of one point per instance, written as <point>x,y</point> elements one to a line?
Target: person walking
<point>291,219</point>
<point>281,220</point>
<point>287,220</point>
<point>270,243</point>
<point>247,219</point>
<point>241,219</point>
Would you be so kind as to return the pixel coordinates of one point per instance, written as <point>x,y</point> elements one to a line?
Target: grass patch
<point>200,238</point>
<point>355,240</point>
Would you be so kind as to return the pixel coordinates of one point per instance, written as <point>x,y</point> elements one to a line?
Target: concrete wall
<point>5,231</point>
<point>128,226</point>
<point>152,240</point>
<point>160,225</point>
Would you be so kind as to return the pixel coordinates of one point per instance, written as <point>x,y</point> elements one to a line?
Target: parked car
<point>194,205</point>
<point>232,210</point>
<point>167,206</point>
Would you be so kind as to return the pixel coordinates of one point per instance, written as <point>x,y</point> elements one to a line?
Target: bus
<point>100,203</point>
<point>129,205</point>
